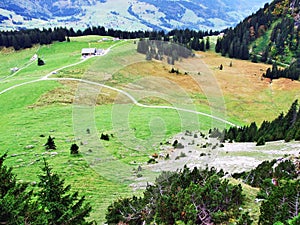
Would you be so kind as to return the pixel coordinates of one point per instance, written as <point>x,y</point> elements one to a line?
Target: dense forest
<point>284,127</point>
<point>276,26</point>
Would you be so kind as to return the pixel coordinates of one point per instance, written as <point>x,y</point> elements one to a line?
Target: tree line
<point>292,72</point>
<point>27,38</point>
<point>284,127</point>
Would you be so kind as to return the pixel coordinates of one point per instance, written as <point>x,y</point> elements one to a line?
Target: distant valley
<point>126,15</point>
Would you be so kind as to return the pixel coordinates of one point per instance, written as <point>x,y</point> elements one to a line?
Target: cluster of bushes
<point>188,196</point>
<point>279,190</point>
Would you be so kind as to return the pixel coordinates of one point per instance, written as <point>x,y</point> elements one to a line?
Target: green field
<point>66,109</point>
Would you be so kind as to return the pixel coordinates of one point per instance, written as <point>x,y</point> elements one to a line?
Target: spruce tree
<point>16,204</point>
<point>60,205</point>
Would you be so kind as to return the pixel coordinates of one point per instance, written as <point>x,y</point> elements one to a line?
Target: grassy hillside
<point>65,109</point>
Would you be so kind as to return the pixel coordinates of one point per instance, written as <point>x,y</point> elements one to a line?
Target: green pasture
<point>135,132</point>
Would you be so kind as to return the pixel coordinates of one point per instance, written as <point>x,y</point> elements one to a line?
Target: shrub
<point>104,137</point>
<point>74,149</point>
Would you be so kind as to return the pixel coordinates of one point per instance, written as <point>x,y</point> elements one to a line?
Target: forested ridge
<point>279,21</point>
<point>270,35</point>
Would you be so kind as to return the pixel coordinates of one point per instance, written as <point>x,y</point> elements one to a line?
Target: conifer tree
<point>60,205</point>
<point>50,145</point>
<point>74,149</point>
<point>207,45</point>
<point>16,204</point>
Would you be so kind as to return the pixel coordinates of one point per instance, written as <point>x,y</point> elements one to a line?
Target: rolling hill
<point>125,15</point>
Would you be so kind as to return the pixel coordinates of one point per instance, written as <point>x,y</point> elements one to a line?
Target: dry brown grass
<point>247,96</point>
<point>159,69</point>
<point>65,95</point>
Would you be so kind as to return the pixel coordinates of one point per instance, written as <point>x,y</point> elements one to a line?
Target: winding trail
<point>134,101</point>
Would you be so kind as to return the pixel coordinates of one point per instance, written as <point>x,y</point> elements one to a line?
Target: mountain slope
<point>126,15</point>
<point>272,33</point>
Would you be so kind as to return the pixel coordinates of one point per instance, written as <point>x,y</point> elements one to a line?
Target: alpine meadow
<point>150,112</point>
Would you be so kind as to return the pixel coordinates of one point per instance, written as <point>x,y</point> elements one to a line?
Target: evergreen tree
<point>27,41</point>
<point>16,203</point>
<point>15,43</point>
<point>50,145</point>
<point>59,205</point>
<point>218,46</point>
<point>282,203</point>
<point>207,45</point>
<point>202,46</point>
<point>40,62</point>
<point>74,149</point>
<point>142,46</point>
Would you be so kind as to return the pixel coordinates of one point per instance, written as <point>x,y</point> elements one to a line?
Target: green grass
<point>10,59</point>
<point>22,126</point>
<point>250,205</point>
<point>104,169</point>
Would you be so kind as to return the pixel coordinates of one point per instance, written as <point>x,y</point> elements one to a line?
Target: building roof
<point>88,51</point>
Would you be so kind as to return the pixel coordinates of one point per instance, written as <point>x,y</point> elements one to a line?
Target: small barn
<point>88,51</point>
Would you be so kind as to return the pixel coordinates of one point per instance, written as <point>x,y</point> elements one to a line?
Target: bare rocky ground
<point>201,151</point>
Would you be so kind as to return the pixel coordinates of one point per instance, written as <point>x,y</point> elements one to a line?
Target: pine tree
<point>281,204</point>
<point>59,205</point>
<point>40,62</point>
<point>142,46</point>
<point>202,46</point>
